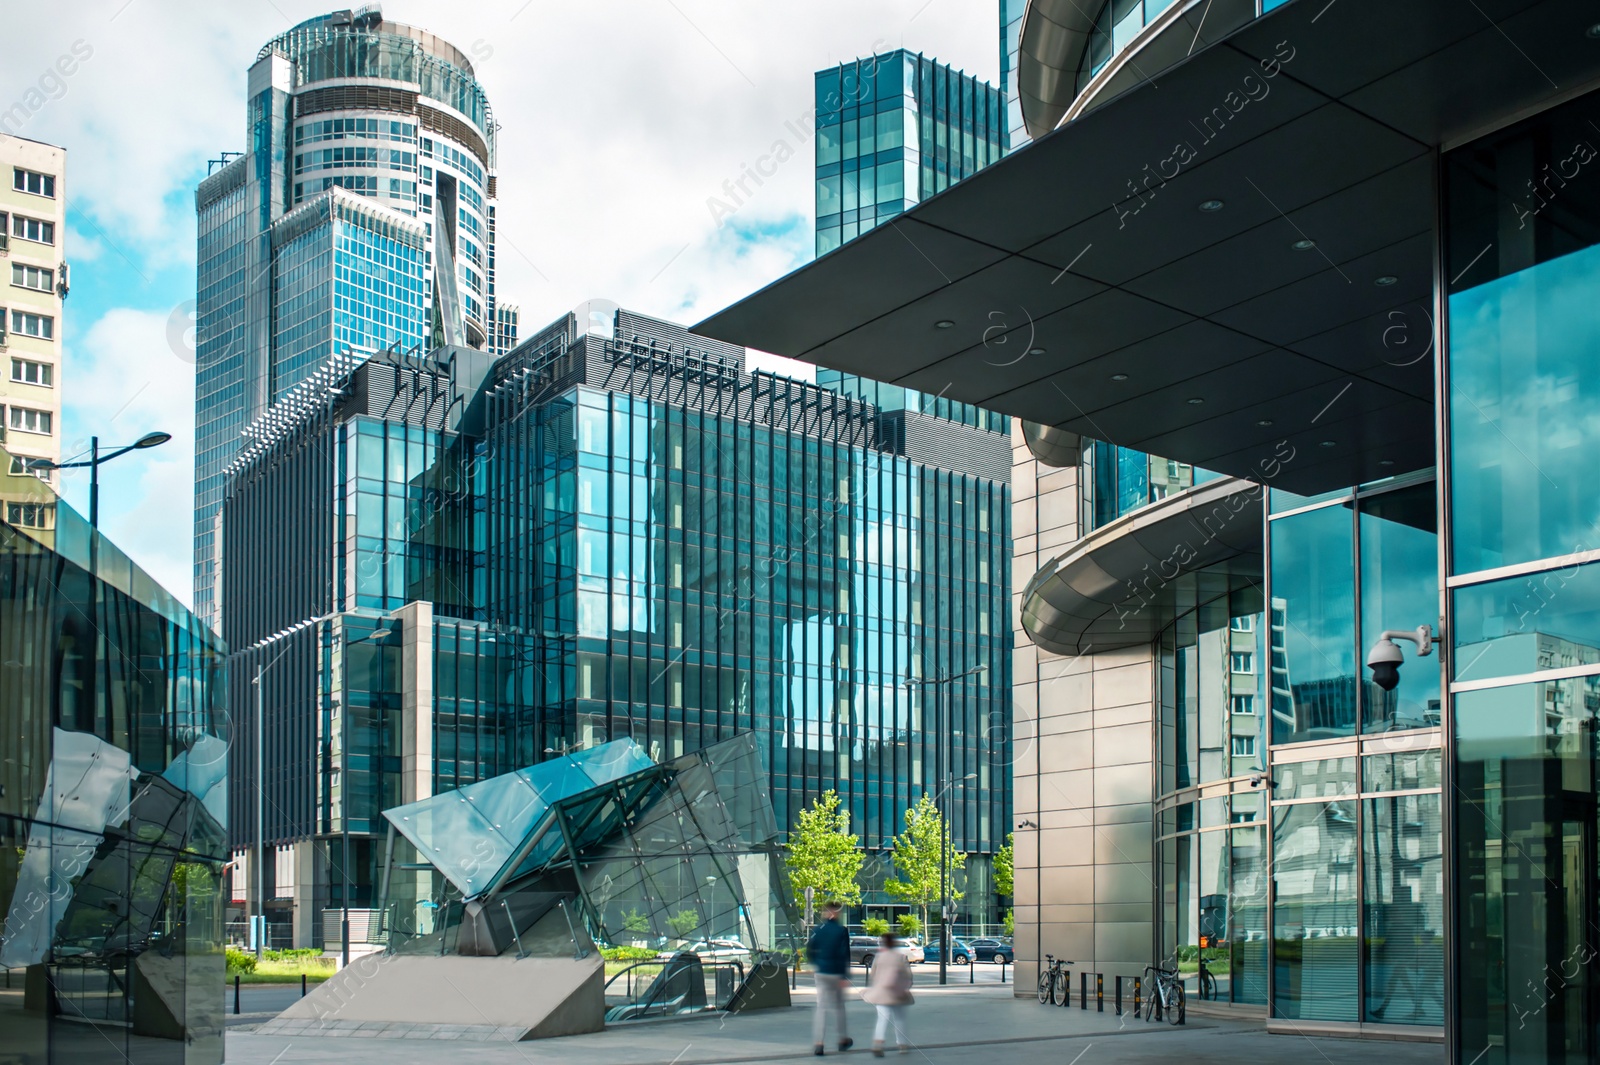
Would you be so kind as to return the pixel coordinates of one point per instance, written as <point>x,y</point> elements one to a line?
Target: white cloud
<point>127,382</point>
<point>619,120</point>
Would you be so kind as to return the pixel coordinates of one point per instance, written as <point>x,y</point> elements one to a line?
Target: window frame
<point>24,269</point>
<point>47,321</point>
<point>19,182</point>
<point>41,417</point>
<point>46,375</point>
<point>19,229</point>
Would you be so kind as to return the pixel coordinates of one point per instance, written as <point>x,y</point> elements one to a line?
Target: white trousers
<point>895,1016</point>
<point>830,999</point>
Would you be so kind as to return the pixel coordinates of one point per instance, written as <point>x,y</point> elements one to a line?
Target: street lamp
<point>940,686</point>
<point>148,440</point>
<point>260,742</point>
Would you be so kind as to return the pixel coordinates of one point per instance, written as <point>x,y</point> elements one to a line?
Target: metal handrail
<point>714,964</point>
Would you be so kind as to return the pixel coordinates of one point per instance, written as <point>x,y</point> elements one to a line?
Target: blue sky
<point>621,123</point>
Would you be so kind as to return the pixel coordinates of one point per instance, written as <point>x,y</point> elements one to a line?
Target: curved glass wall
<point>1211,814</point>
<point>1118,481</point>
<point>1115,27</point>
<point>1522,249</point>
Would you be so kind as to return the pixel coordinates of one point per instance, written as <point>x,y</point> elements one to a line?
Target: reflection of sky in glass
<point>1525,417</point>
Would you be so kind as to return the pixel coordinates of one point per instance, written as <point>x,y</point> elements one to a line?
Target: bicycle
<point>1166,996</point>
<point>1208,983</point>
<point>1053,989</point>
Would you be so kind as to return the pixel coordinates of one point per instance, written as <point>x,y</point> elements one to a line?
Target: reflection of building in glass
<point>614,531</point>
<point>113,794</point>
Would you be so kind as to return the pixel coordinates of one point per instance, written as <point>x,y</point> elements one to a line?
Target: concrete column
<point>416,729</point>
<point>306,878</point>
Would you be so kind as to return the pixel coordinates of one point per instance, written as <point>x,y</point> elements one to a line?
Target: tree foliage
<point>823,854</point>
<point>1011,922</point>
<point>916,858</point>
<point>682,923</point>
<point>909,925</point>
<point>875,926</point>
<point>1004,867</point>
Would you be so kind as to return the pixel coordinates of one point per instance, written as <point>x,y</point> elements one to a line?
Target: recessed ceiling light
<point>1264,422</point>
<point>1594,31</point>
<point>1195,401</point>
<point>1386,462</point>
<point>1304,244</point>
<point>943,323</point>
<point>1211,206</point>
<point>1328,443</point>
<point>1119,377</point>
<point>1385,281</point>
<point>1035,351</point>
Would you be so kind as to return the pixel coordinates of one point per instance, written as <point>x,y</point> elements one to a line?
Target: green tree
<point>916,858</point>
<point>1005,867</point>
<point>875,926</point>
<point>635,922</point>
<point>909,925</point>
<point>1011,922</point>
<point>683,922</point>
<point>823,854</point>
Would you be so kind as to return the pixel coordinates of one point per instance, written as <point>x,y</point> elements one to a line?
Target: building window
<point>28,515</point>
<point>1244,746</point>
<point>31,421</point>
<point>19,469</point>
<point>28,181</point>
<point>35,277</point>
<point>1245,623</point>
<point>33,229</point>
<point>33,325</point>
<point>28,372</point>
<point>1244,704</point>
<point>1242,662</point>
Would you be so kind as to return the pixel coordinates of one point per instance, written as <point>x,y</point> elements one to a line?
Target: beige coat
<point>889,983</point>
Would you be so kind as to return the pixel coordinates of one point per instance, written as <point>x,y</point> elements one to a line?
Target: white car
<point>711,950</point>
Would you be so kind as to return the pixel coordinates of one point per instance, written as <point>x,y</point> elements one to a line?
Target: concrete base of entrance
<point>453,997</point>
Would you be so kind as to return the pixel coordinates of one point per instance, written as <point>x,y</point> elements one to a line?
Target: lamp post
<point>260,877</point>
<point>940,686</point>
<point>148,440</point>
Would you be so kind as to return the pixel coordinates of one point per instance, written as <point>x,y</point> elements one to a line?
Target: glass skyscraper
<point>360,218</point>
<point>893,130</point>
<point>614,531</point>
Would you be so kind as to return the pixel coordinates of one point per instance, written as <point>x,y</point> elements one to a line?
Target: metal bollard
<point>1083,991</point>
<point>1066,987</point>
<point>236,995</point>
<point>1119,996</point>
<point>1099,993</point>
<point>1002,970</point>
<point>1138,993</point>
<point>302,985</point>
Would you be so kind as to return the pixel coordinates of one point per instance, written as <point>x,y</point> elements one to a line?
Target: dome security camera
<point>1384,659</point>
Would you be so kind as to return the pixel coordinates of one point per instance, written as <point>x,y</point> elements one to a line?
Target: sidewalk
<point>950,1024</point>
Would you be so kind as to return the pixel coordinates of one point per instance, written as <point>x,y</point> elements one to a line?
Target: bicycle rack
<point>1137,996</point>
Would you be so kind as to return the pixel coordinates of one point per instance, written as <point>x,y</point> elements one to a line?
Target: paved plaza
<point>960,1023</point>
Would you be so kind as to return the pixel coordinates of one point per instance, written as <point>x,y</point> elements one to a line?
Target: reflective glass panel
<point>1400,590</point>
<point>1313,637</point>
<point>1548,620</point>
<point>1315,918</point>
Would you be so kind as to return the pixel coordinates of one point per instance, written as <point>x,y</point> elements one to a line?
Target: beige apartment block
<point>33,269</point>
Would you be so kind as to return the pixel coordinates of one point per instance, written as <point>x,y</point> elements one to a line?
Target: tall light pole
<point>940,686</point>
<point>93,462</point>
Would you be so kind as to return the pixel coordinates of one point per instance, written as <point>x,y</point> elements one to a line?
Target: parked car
<point>862,948</point>
<point>960,952</point>
<point>711,950</point>
<point>992,948</point>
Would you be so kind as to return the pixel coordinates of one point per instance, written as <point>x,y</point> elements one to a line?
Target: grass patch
<point>280,967</point>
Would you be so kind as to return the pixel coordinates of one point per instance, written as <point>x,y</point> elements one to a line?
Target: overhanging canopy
<point>1032,286</point>
<point>1123,583</point>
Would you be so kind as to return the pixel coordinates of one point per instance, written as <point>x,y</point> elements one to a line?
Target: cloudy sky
<point>620,121</point>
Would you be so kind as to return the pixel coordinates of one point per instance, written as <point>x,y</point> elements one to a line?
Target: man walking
<point>829,954</point>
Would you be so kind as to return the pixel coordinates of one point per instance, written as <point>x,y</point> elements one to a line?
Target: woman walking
<point>889,989</point>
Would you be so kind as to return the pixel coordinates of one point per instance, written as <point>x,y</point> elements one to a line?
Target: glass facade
<point>112,806</point>
<point>361,218</point>
<point>1522,215</point>
<point>1211,827</point>
<point>893,130</point>
<point>1117,481</point>
<point>1358,882</point>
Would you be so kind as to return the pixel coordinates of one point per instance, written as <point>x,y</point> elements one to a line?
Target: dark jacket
<point>829,949</point>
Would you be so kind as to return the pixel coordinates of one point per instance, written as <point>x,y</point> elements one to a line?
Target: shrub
<point>909,925</point>
<point>875,926</point>
<point>683,923</point>
<point>240,962</point>
<point>291,953</point>
<point>1011,922</point>
<point>627,953</point>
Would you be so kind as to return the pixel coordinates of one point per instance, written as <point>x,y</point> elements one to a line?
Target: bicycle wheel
<point>1046,988</point>
<point>1062,995</point>
<point>1175,1004</point>
<point>1152,1003</point>
<point>1208,985</point>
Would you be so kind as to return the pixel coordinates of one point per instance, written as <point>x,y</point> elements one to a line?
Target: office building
<point>112,803</point>
<point>1351,280</point>
<point>892,130</point>
<point>359,217</point>
<point>616,530</point>
<point>33,231</point>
